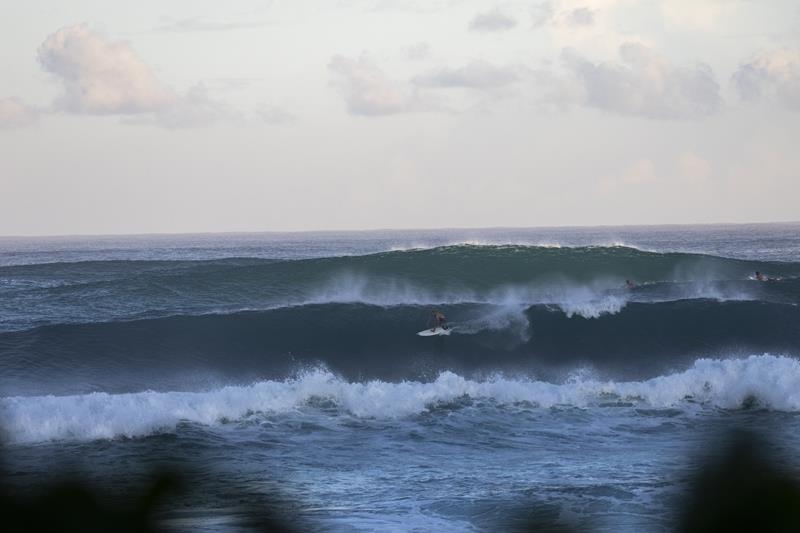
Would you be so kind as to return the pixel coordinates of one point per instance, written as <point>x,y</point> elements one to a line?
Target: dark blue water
<point>289,364</point>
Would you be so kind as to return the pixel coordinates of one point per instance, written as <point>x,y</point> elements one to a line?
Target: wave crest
<point>772,381</point>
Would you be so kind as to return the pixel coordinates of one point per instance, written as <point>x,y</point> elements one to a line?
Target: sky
<point>208,116</point>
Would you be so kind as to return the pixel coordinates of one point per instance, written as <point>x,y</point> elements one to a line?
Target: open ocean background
<point>287,367</point>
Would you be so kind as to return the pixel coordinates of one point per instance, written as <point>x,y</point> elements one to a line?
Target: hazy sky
<point>200,115</point>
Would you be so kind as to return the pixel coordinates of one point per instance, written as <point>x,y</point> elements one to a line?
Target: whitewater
<point>285,368</point>
<point>769,382</point>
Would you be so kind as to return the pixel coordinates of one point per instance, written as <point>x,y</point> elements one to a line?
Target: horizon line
<point>386,229</point>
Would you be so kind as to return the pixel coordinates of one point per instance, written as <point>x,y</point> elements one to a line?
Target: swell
<point>585,280</point>
<point>756,381</point>
<point>371,342</point>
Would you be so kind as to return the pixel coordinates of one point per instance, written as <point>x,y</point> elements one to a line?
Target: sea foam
<point>771,382</point>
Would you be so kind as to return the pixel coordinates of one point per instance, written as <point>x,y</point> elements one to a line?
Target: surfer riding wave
<point>438,320</point>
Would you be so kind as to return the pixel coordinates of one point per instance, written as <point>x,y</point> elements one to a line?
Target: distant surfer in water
<point>439,320</point>
<point>630,284</point>
<point>760,276</point>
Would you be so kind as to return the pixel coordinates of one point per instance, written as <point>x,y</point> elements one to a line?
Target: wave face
<point>120,326</point>
<point>756,381</point>
<point>360,341</point>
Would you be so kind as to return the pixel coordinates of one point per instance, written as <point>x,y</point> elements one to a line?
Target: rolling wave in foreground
<point>767,382</point>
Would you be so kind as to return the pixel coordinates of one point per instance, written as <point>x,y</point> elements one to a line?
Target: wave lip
<point>768,381</point>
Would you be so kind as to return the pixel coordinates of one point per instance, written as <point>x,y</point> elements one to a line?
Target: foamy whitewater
<point>287,366</point>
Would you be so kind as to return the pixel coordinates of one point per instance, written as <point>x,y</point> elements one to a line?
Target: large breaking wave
<point>585,281</point>
<point>121,326</point>
<point>362,341</point>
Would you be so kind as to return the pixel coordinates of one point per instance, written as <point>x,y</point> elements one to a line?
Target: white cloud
<point>774,75</point>
<point>582,16</point>
<point>418,51</point>
<point>545,14</point>
<point>368,91</point>
<point>476,75</point>
<point>100,76</point>
<point>492,21</point>
<point>198,24</point>
<point>692,167</point>
<point>555,92</point>
<point>104,77</point>
<point>15,114</point>
<point>693,14</point>
<point>275,115</point>
<point>542,14</point>
<point>645,84</point>
<point>408,6</point>
<point>641,171</point>
<point>195,108</point>
<point>597,28</point>
<point>681,169</point>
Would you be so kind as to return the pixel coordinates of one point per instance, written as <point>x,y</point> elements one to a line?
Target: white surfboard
<point>434,332</point>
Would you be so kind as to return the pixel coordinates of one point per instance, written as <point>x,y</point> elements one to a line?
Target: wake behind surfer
<point>438,319</point>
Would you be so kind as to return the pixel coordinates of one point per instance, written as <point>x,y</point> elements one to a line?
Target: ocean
<point>282,372</point>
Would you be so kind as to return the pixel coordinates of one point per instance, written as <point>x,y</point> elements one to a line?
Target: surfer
<point>630,284</point>
<point>760,276</point>
<point>439,320</point>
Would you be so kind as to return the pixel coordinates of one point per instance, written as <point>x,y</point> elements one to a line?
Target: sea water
<point>284,371</point>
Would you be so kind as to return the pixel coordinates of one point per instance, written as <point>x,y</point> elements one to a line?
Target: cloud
<point>545,14</point>
<point>475,75</point>
<point>692,167</point>
<point>407,6</point>
<point>639,172</point>
<point>368,91</point>
<point>773,75</point>
<point>555,92</point>
<point>582,16</point>
<point>275,115</point>
<point>645,84</point>
<point>492,21</point>
<point>15,114</point>
<point>542,14</point>
<point>100,76</point>
<point>104,77</point>
<point>685,169</point>
<point>418,51</point>
<point>197,24</point>
<point>195,108</point>
<point>691,14</point>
